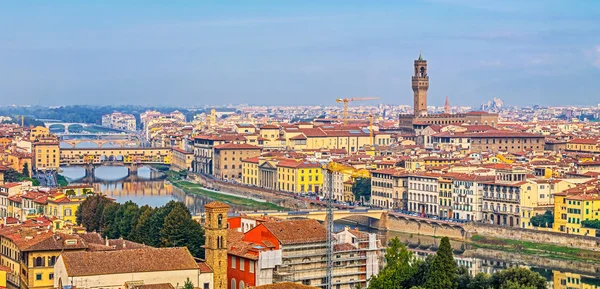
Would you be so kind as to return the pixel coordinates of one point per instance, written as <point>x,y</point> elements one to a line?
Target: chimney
<point>106,240</point>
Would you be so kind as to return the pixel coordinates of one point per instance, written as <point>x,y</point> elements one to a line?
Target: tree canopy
<point>362,188</point>
<point>168,226</point>
<point>543,220</point>
<point>404,271</point>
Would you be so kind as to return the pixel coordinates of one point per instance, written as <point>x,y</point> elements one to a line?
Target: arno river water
<point>144,190</point>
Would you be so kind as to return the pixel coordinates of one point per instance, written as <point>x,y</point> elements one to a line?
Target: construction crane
<point>331,168</point>
<point>345,101</point>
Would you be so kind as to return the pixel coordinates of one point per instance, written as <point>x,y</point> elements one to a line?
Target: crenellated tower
<point>420,85</point>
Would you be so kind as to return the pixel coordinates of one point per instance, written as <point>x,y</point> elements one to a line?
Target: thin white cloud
<point>491,63</point>
<point>597,56</point>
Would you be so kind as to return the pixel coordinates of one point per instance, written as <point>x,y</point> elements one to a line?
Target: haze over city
<point>198,53</point>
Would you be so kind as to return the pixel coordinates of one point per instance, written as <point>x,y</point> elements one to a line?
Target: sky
<point>197,53</point>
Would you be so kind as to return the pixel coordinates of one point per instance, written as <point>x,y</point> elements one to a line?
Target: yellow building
<point>437,161</point>
<point>3,276</point>
<point>446,188</point>
<point>566,280</point>
<point>62,207</point>
<point>77,190</point>
<point>299,176</point>
<point>181,160</point>
<point>583,145</point>
<point>39,132</point>
<point>250,171</point>
<point>46,154</point>
<point>307,137</point>
<point>574,206</point>
<point>33,252</point>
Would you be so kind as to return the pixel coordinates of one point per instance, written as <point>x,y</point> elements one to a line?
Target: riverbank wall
<point>528,235</point>
<point>268,195</point>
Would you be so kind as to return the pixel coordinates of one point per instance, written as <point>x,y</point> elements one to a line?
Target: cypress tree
<point>443,270</point>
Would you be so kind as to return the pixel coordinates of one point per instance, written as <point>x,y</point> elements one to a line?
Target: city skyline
<point>195,54</point>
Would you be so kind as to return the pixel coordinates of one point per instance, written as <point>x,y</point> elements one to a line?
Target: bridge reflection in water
<point>146,187</point>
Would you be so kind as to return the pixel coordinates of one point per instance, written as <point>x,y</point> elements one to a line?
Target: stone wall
<point>419,227</point>
<point>582,242</point>
<point>269,195</point>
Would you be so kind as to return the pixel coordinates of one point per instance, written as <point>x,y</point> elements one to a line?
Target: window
<point>38,277</point>
<point>242,267</point>
<point>220,220</point>
<point>52,261</point>
<point>233,283</point>
<point>206,285</point>
<point>241,284</point>
<point>251,264</point>
<point>51,276</point>
<point>233,261</point>
<point>39,262</point>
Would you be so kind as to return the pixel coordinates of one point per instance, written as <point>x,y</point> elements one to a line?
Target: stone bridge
<point>321,215</point>
<point>425,226</point>
<point>102,142</point>
<point>96,156</point>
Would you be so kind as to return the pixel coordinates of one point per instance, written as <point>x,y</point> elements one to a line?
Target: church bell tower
<point>420,84</point>
<point>216,242</point>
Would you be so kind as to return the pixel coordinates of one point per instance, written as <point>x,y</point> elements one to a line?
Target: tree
<point>188,284</point>
<point>142,232</point>
<point>362,188</point>
<point>126,218</point>
<point>179,230</point>
<point>25,171</point>
<point>108,221</point>
<point>90,211</point>
<point>543,220</point>
<point>443,270</point>
<point>480,281</point>
<point>401,267</point>
<point>464,277</point>
<point>517,278</point>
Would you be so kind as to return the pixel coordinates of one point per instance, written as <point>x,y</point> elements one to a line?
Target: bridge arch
<point>57,128</point>
<point>74,128</point>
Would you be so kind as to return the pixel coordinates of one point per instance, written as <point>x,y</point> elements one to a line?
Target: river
<point>145,189</point>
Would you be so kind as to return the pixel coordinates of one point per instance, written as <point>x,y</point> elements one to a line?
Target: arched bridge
<point>97,156</point>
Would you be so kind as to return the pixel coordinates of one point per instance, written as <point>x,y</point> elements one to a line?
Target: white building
<point>121,121</point>
<point>112,269</point>
<point>423,193</point>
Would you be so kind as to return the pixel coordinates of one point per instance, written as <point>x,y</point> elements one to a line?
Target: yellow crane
<point>345,101</point>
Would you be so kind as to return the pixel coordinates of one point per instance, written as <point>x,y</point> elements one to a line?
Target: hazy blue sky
<point>297,52</point>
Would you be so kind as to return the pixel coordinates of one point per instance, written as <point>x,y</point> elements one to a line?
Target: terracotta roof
<point>204,268</point>
<point>298,164</point>
<point>117,262</point>
<point>297,231</point>
<point>285,285</point>
<point>183,151</point>
<point>216,205</point>
<point>232,146</point>
<point>251,160</point>
<point>154,286</point>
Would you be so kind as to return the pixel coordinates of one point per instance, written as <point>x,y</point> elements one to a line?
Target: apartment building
<point>502,197</point>
<point>120,121</point>
<point>389,189</point>
<point>506,141</point>
<point>423,193</point>
<point>228,159</point>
